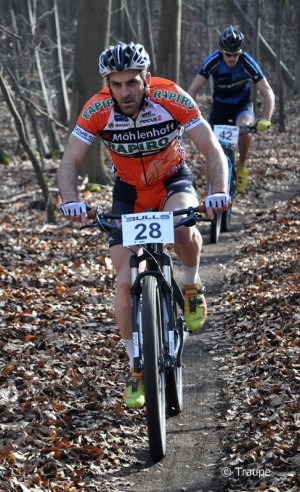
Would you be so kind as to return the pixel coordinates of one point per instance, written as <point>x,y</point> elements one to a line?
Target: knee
<point>122,298</point>
<point>123,282</point>
<point>182,235</point>
<point>187,235</point>
<point>197,238</point>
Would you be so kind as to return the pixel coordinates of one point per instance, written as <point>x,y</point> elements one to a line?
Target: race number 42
<point>227,133</point>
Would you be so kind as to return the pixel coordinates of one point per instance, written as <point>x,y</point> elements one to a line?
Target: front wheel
<point>154,375</point>
<point>226,215</point>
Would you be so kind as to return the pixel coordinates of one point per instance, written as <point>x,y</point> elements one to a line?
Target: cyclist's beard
<point>129,113</point>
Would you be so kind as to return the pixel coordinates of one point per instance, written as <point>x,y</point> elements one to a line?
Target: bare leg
<point>188,245</point>
<point>120,259</point>
<point>188,240</point>
<point>244,147</point>
<point>244,140</point>
<point>134,393</point>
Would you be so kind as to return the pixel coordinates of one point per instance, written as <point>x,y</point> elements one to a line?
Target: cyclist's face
<point>230,59</point>
<point>128,89</point>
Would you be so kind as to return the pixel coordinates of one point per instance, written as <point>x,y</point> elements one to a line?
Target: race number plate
<point>227,133</point>
<point>148,227</point>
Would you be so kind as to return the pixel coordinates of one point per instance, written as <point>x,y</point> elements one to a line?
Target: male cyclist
<point>232,70</point>
<point>140,120</point>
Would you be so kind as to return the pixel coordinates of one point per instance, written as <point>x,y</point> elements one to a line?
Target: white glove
<point>218,200</point>
<point>74,209</point>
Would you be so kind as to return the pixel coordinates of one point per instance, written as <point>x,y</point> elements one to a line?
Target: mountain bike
<point>157,303</point>
<point>228,137</point>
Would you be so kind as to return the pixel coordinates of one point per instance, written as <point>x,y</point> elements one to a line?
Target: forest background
<point>50,51</point>
<point>63,425</point>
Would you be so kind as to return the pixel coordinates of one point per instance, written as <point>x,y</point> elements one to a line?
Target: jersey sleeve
<point>209,64</point>
<point>252,68</point>
<point>178,102</point>
<point>93,116</point>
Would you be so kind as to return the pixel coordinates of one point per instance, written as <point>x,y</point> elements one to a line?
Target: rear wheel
<point>173,318</point>
<point>225,222</point>
<point>174,376</point>
<point>153,367</point>
<point>215,229</point>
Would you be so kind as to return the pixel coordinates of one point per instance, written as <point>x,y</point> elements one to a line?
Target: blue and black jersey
<point>231,84</point>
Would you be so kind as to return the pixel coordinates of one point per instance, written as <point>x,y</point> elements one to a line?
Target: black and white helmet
<point>231,39</point>
<point>123,57</point>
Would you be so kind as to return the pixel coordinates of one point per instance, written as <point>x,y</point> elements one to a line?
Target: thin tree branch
<point>10,33</point>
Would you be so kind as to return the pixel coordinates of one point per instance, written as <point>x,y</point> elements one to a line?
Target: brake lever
<point>88,226</point>
<point>192,220</point>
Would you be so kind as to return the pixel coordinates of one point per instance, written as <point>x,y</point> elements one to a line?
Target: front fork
<point>136,315</point>
<point>167,313</point>
<point>167,308</point>
<point>175,334</point>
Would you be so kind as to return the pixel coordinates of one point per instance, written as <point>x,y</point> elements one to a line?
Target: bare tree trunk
<point>279,30</point>
<point>117,21</point>
<point>147,33</point>
<point>168,49</point>
<point>257,33</point>
<point>31,4</point>
<point>297,69</point>
<point>131,20</point>
<point>210,27</point>
<point>28,149</point>
<point>92,38</point>
<point>247,25</point>
<point>18,69</point>
<point>63,104</point>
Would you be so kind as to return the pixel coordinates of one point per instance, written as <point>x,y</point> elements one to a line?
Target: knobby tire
<point>174,376</point>
<point>154,375</point>
<point>226,215</point>
<point>215,229</point>
<point>226,218</point>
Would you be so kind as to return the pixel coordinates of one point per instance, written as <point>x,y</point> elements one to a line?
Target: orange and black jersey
<point>148,149</point>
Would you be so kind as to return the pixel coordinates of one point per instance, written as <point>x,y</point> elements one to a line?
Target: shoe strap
<point>136,375</point>
<point>193,290</point>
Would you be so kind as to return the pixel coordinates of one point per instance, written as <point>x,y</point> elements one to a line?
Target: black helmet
<point>123,57</point>
<point>231,39</point>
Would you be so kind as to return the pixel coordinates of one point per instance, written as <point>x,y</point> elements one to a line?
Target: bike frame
<point>159,266</point>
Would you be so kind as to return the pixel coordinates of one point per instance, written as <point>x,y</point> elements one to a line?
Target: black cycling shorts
<point>226,114</point>
<point>130,199</point>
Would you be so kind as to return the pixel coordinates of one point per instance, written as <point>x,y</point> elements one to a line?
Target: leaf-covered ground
<point>62,423</point>
<point>261,317</point>
<point>261,313</point>
<point>63,426</point>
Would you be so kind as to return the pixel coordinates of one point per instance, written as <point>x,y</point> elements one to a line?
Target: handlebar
<point>92,212</point>
<point>243,129</point>
<point>105,221</point>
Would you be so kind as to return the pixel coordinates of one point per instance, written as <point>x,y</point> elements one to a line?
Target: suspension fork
<point>136,290</point>
<point>167,307</point>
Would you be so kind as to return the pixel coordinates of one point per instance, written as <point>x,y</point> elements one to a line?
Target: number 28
<point>151,230</point>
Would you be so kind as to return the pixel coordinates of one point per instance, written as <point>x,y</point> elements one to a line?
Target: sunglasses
<point>231,54</point>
